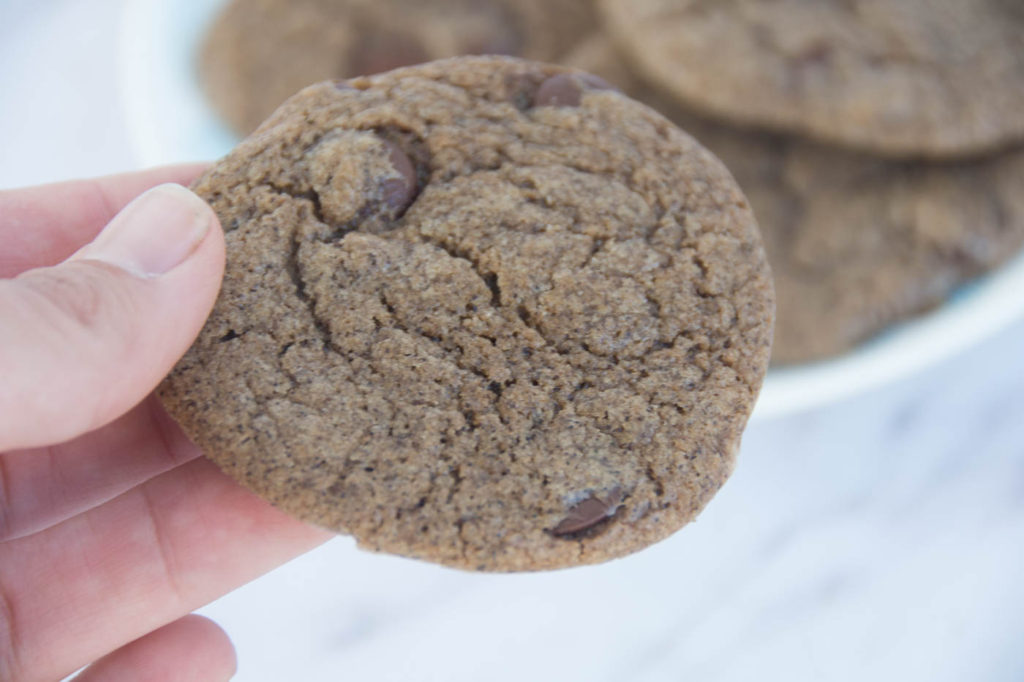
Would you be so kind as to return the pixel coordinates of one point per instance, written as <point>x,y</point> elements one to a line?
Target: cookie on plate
<point>260,52</point>
<point>907,78</point>
<point>483,312</point>
<point>855,243</point>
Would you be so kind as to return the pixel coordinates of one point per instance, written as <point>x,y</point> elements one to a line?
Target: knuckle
<point>80,297</point>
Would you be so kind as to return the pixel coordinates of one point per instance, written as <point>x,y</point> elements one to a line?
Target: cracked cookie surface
<point>483,312</point>
<point>856,243</point>
<point>902,78</point>
<point>260,52</point>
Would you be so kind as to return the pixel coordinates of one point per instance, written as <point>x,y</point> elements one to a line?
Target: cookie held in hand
<point>483,312</point>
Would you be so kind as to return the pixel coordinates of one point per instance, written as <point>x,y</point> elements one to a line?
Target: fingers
<point>83,342</point>
<point>89,585</point>
<point>191,649</point>
<point>41,226</point>
<point>44,486</point>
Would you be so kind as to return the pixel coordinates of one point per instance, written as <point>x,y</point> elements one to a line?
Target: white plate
<point>169,121</point>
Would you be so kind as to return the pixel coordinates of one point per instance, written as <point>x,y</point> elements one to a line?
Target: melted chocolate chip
<point>566,89</point>
<point>589,513</point>
<point>399,192</point>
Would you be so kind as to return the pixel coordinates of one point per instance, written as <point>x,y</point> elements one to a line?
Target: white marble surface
<point>881,538</point>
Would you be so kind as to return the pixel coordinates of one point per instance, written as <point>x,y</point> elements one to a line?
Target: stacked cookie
<point>879,142</point>
<point>260,52</point>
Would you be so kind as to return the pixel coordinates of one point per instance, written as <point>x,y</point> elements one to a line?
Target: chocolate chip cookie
<point>907,78</point>
<point>483,312</point>
<point>855,243</point>
<point>260,52</point>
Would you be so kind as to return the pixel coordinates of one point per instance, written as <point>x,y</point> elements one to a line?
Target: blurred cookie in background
<point>260,52</point>
<point>906,78</point>
<point>856,243</point>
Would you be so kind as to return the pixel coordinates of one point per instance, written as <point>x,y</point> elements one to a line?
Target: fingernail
<point>154,234</point>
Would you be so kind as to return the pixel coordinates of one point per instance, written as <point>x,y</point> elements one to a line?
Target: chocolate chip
<point>566,89</point>
<point>379,52</point>
<point>399,192</point>
<point>589,513</point>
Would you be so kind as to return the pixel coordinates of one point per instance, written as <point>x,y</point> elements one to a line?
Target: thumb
<point>83,342</point>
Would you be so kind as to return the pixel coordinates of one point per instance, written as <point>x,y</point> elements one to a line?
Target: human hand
<point>112,529</point>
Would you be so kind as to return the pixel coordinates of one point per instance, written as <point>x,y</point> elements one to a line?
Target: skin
<point>112,528</point>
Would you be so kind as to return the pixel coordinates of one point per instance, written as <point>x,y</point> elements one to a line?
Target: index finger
<point>43,225</point>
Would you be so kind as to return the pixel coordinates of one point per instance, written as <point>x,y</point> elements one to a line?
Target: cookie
<point>260,52</point>
<point>856,243</point>
<point>906,78</point>
<point>483,312</point>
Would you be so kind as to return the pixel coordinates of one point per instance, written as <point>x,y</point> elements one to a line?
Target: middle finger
<point>93,583</point>
<point>41,487</point>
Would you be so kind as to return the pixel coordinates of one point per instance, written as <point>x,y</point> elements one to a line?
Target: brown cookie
<point>905,78</point>
<point>855,243</point>
<point>260,52</point>
<point>483,312</point>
